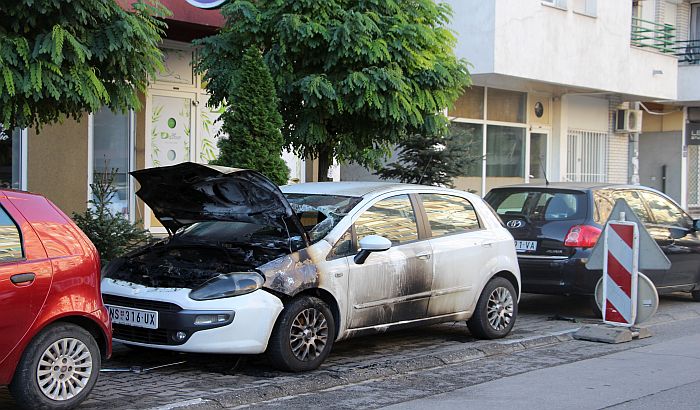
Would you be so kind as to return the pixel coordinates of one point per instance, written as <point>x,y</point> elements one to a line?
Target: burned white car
<point>250,268</point>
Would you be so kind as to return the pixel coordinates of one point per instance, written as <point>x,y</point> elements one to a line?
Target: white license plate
<point>133,317</point>
<point>525,246</point>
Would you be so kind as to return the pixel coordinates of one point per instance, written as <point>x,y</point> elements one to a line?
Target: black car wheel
<point>58,369</point>
<point>495,311</point>
<point>303,335</point>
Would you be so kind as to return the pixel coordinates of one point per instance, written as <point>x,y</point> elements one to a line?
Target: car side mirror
<point>369,244</point>
<point>677,233</point>
<point>696,224</point>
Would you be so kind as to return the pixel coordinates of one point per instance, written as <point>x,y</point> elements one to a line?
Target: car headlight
<point>228,284</point>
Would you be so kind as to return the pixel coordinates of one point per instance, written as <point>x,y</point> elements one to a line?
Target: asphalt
<point>663,375</point>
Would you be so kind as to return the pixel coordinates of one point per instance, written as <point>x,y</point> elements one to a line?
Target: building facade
<point>557,90</point>
<point>554,82</point>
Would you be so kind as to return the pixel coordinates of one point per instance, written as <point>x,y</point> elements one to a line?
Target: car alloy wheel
<point>64,369</point>
<point>496,310</point>
<point>500,308</point>
<point>309,334</point>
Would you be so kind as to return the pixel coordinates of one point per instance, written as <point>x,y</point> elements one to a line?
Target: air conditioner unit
<point>628,121</point>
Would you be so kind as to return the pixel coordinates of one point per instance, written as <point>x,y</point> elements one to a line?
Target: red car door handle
<point>23,278</point>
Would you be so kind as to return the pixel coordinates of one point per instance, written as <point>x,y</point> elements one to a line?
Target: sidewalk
<point>661,375</point>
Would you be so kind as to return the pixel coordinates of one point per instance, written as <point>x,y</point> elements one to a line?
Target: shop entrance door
<point>539,144</point>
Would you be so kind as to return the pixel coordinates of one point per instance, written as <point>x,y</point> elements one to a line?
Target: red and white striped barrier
<point>621,256</point>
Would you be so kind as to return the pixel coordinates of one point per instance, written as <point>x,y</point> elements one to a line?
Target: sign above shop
<point>692,133</point>
<point>207,4</point>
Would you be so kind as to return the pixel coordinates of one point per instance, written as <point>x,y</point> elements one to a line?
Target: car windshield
<point>319,213</point>
<point>538,205</point>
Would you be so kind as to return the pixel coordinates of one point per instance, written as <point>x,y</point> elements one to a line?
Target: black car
<point>555,227</point>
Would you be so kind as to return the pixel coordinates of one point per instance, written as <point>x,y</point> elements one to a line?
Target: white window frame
<point>558,4</point>
<point>587,8</point>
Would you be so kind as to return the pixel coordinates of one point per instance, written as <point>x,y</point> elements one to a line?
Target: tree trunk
<point>324,163</point>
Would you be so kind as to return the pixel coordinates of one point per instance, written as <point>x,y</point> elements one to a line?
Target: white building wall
<point>534,41</point>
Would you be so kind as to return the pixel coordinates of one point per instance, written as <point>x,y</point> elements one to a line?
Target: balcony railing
<point>688,51</point>
<point>657,36</point>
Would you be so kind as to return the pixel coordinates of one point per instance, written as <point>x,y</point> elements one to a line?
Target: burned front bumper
<point>240,324</point>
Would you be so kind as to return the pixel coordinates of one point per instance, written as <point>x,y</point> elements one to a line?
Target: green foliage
<point>435,160</point>
<point>354,77</point>
<point>252,122</point>
<point>61,58</point>
<point>112,234</point>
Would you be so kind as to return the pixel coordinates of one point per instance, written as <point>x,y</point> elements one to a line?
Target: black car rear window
<point>538,204</point>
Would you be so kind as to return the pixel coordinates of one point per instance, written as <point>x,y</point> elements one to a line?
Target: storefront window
<point>11,160</point>
<point>470,104</point>
<point>111,132</point>
<point>505,151</point>
<point>506,106</point>
<point>471,136</point>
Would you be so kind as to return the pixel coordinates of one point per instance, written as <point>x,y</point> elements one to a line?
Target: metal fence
<point>688,52</point>
<point>657,36</point>
<point>587,156</point>
<point>694,175</point>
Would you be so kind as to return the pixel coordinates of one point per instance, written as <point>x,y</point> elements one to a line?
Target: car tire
<point>64,344</point>
<point>496,310</point>
<point>695,295</point>
<point>303,335</point>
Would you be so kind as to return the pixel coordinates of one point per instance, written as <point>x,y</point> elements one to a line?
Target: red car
<point>54,329</point>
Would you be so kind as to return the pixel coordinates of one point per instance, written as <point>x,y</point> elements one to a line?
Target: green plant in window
<point>112,234</point>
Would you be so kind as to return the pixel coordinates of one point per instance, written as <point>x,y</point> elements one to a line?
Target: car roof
<point>351,188</point>
<point>578,186</point>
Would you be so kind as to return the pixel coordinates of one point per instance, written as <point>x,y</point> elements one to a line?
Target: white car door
<point>393,285</point>
<point>461,250</point>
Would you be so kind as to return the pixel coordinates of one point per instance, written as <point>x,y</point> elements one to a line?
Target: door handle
<point>486,244</point>
<point>23,278</point>
<point>423,256</point>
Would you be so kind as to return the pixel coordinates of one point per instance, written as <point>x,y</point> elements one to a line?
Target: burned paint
<point>291,274</point>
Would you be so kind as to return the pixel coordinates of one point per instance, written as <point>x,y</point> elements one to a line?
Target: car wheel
<point>696,295</point>
<point>303,335</point>
<point>58,369</point>
<point>495,311</point>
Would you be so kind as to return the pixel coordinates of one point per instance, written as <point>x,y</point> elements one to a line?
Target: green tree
<point>60,58</point>
<point>112,234</point>
<point>354,77</point>
<point>435,160</point>
<point>252,122</point>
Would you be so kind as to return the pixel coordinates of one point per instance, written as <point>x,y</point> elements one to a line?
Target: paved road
<point>661,375</point>
<point>227,381</point>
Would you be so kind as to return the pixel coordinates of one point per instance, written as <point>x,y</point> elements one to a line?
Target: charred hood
<point>186,193</point>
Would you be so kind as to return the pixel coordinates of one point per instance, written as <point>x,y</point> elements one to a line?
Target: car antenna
<point>544,172</point>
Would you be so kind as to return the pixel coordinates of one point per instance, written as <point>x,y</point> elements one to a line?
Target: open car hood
<point>186,193</point>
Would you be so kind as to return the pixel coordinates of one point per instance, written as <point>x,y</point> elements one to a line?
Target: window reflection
<point>392,218</point>
<point>10,243</point>
<point>665,212</point>
<point>449,214</point>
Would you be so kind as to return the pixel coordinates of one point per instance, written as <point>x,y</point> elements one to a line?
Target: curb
<point>330,378</point>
